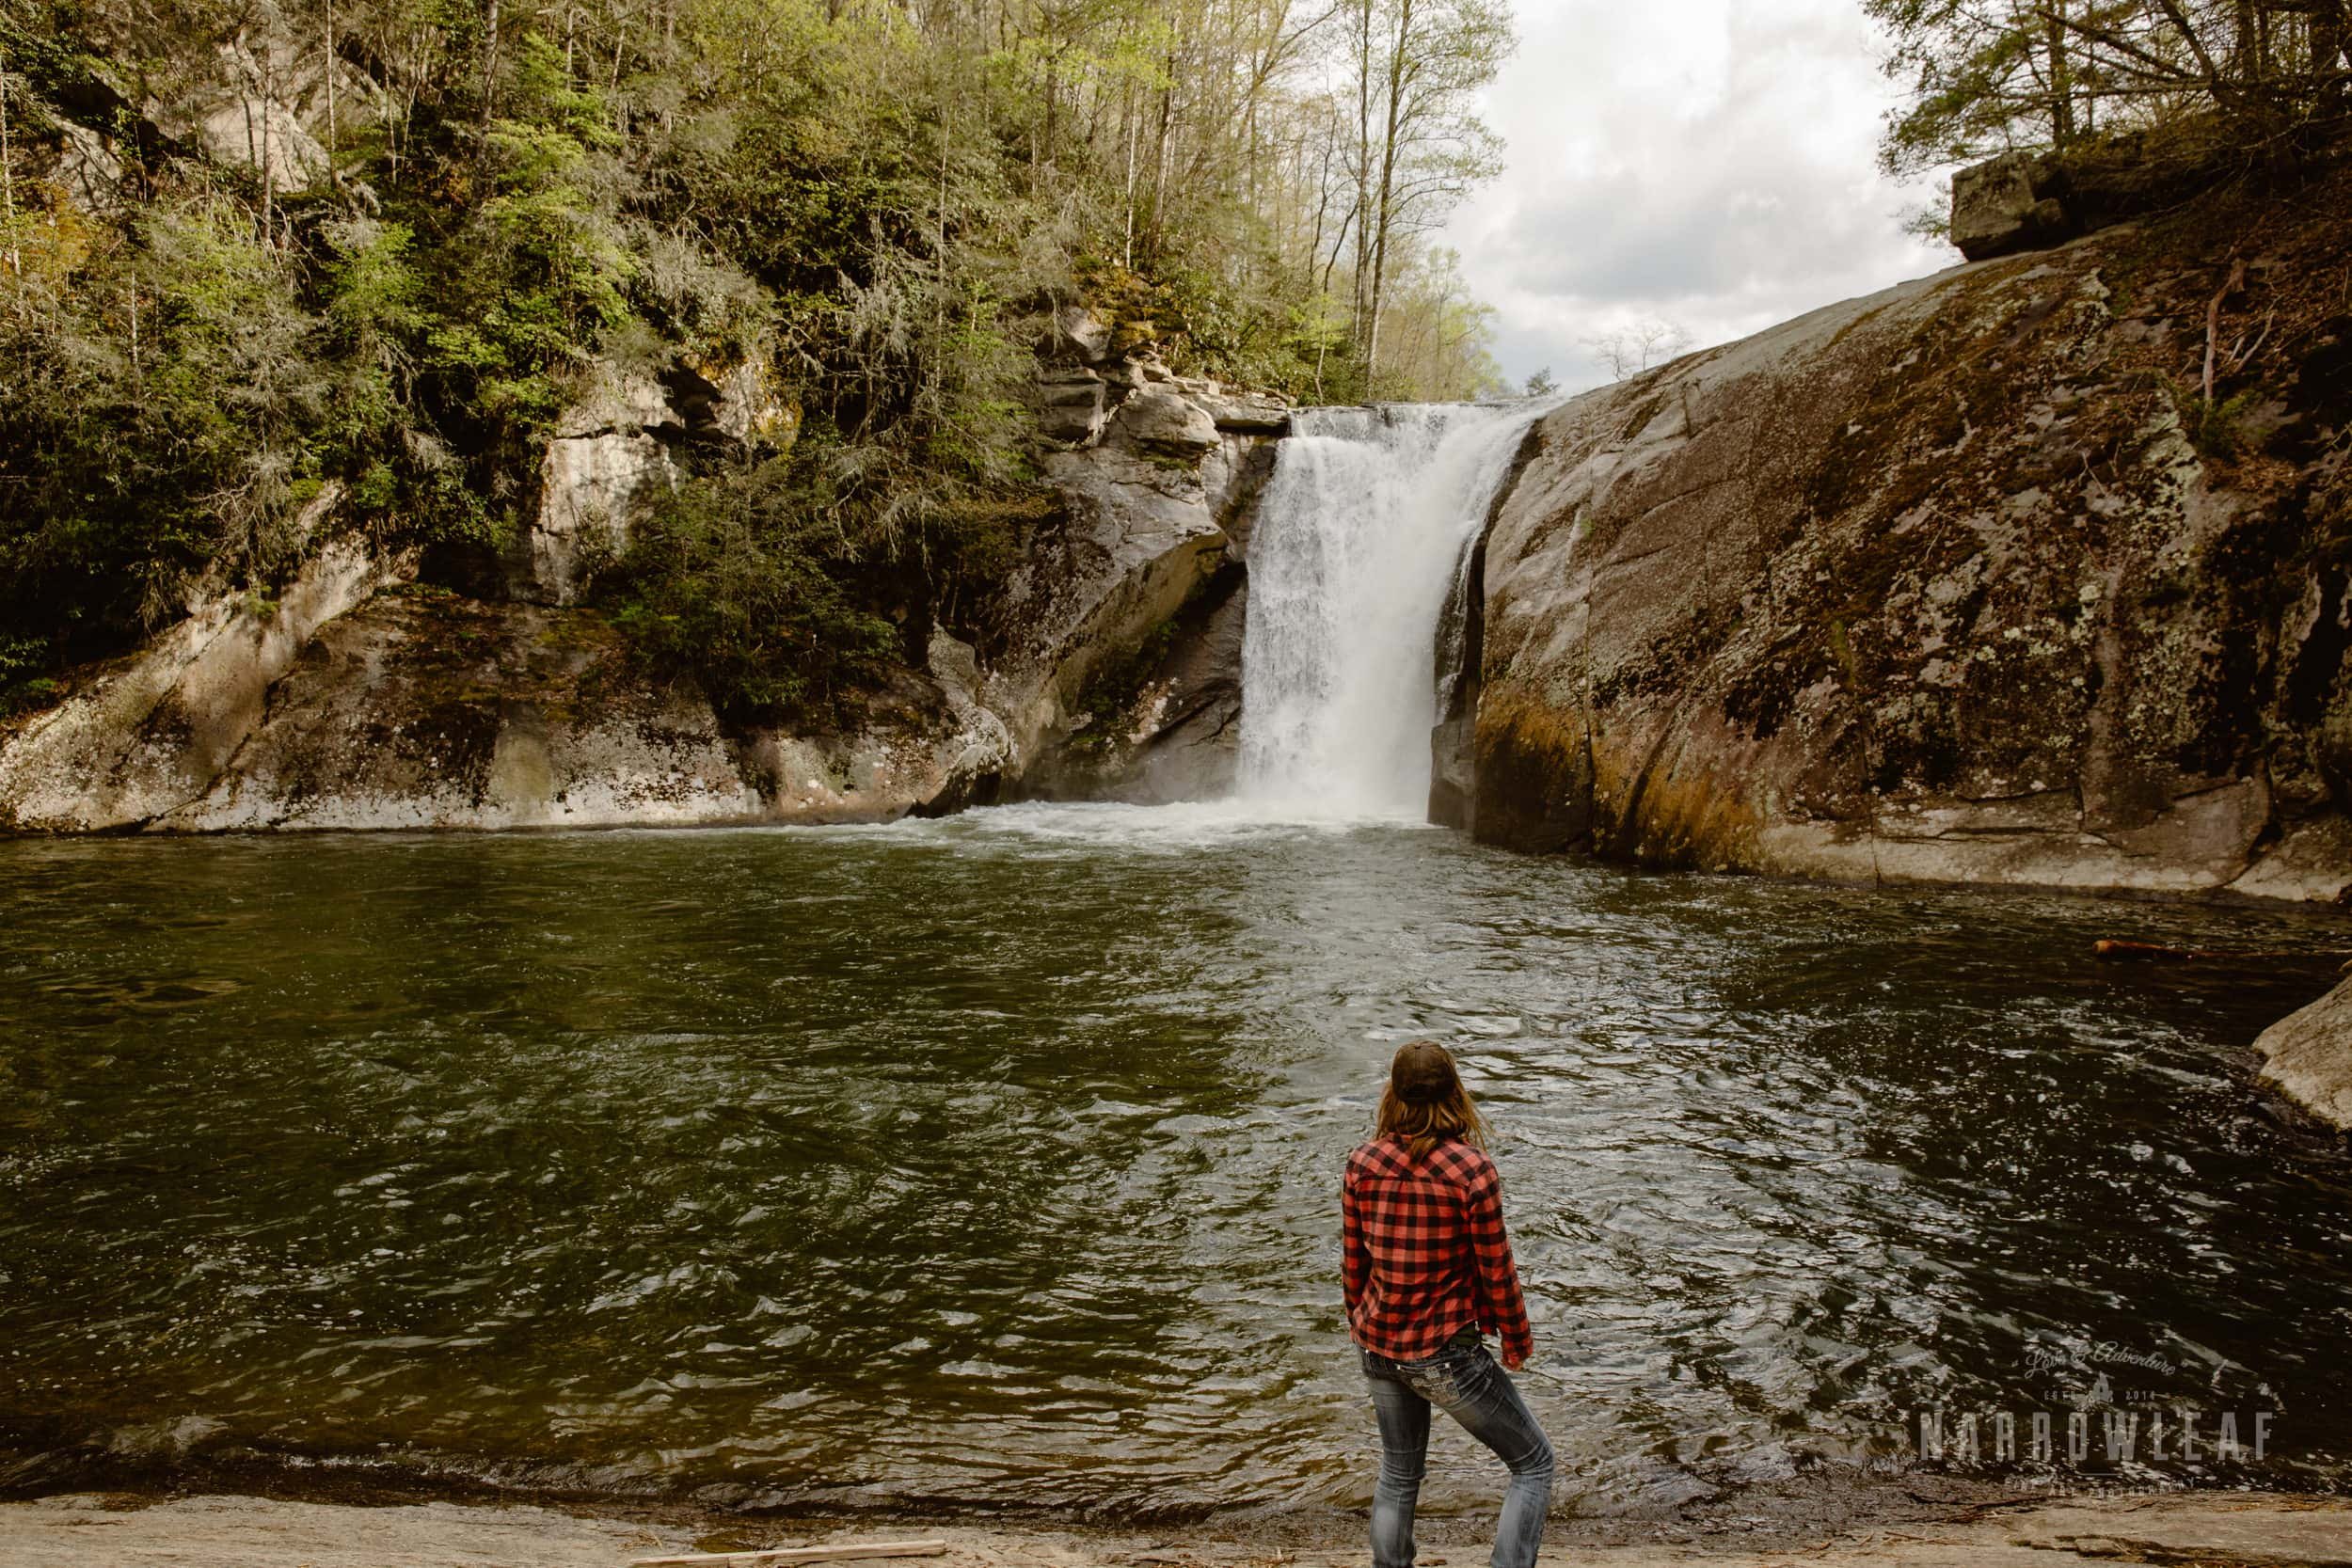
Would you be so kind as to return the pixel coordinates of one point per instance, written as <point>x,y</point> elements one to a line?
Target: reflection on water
<point>991,1160</point>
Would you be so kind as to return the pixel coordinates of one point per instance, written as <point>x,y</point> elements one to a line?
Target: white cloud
<point>1709,163</point>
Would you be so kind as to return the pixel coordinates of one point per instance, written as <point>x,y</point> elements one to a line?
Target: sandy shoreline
<point>2210,1530</point>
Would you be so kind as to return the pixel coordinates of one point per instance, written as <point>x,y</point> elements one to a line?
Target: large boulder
<point>1161,723</point>
<point>2308,1055</point>
<point>616,437</point>
<point>1233,477</point>
<point>587,486</point>
<point>1936,585</point>
<point>1071,405</point>
<point>2032,200</point>
<point>1080,332</point>
<point>1160,422</point>
<point>1181,739</point>
<point>733,400</point>
<point>1245,413</point>
<point>269,102</point>
<point>1119,666</point>
<point>2003,205</point>
<point>424,709</point>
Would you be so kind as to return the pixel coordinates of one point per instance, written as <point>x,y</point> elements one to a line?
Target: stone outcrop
<point>1951,583</point>
<point>1133,542</point>
<point>362,702</point>
<point>1072,404</point>
<point>425,709</point>
<point>2308,1056</point>
<point>2004,204</point>
<point>2020,201</point>
<point>589,481</point>
<point>265,105</point>
<point>1161,422</point>
<point>615,440</point>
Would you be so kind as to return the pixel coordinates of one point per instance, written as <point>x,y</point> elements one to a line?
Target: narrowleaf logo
<point>2078,1416</point>
<point>2119,1437</point>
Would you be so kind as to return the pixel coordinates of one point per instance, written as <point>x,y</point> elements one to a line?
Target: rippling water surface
<point>992,1160</point>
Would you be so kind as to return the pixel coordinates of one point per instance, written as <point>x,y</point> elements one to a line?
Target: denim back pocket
<point>1456,1377</point>
<point>1451,1376</point>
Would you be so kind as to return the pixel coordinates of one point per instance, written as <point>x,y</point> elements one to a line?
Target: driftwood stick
<point>2213,320</point>
<point>803,1554</point>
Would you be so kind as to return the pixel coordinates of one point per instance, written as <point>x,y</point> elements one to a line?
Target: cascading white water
<point>1357,541</point>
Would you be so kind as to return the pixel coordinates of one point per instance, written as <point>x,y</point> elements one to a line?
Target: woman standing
<point>1428,1271</point>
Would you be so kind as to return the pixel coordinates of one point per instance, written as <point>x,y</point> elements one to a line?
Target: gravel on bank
<point>2211,1530</point>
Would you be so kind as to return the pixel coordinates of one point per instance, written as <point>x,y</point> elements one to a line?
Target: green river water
<point>992,1161</point>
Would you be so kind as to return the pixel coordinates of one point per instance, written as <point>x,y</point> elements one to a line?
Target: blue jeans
<point>1463,1381</point>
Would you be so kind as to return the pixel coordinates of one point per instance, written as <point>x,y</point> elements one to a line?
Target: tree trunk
<point>1357,324</point>
<point>2327,57</point>
<point>269,102</point>
<point>1053,104</point>
<point>329,66</point>
<point>489,61</point>
<point>2061,78</point>
<point>8,186</point>
<point>2250,68</point>
<point>1383,215</point>
<point>1127,119</point>
<point>1159,162</point>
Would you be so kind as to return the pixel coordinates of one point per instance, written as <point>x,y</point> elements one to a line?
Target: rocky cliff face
<point>1120,674</point>
<point>1964,581</point>
<point>358,699</point>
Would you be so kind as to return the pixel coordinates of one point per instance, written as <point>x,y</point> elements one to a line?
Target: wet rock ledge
<point>2308,1056</point>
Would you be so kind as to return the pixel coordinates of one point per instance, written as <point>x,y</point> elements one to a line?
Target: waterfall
<point>1360,535</point>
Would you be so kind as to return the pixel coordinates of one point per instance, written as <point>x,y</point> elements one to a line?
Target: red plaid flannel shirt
<point>1426,1252</point>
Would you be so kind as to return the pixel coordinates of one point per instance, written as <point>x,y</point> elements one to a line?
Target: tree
<point>1986,76</point>
<point>1630,350</point>
<point>1421,146</point>
<point>1442,345</point>
<point>1540,385</point>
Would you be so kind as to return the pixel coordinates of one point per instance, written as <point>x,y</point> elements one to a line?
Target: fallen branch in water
<point>803,1554</point>
<point>2150,952</point>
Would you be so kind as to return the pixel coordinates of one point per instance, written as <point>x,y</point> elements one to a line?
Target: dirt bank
<point>111,1530</point>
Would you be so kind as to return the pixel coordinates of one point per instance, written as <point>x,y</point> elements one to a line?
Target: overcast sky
<point>1708,163</point>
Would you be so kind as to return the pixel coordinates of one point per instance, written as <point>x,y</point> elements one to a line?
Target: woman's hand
<point>1514,1360</point>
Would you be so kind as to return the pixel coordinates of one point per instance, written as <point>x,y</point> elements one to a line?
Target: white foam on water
<point>1045,827</point>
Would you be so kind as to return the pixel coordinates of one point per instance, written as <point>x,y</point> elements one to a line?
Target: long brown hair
<point>1424,1102</point>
